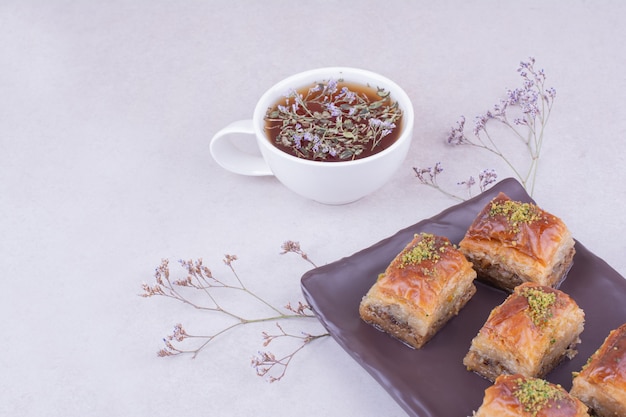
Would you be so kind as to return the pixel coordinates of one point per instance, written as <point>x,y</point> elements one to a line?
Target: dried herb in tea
<point>334,121</point>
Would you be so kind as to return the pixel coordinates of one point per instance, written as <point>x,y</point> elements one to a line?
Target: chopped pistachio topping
<point>425,249</point>
<point>534,394</point>
<point>539,304</point>
<point>515,212</point>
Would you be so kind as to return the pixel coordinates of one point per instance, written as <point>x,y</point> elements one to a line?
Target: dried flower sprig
<point>331,122</point>
<point>290,246</point>
<point>266,362</point>
<point>533,103</point>
<point>200,279</point>
<point>428,176</point>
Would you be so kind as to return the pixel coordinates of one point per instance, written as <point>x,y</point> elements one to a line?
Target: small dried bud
<point>229,259</point>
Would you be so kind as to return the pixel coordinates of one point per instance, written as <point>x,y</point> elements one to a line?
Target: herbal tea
<point>334,121</point>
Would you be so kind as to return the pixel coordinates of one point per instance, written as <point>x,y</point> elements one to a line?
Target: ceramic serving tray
<point>432,381</point>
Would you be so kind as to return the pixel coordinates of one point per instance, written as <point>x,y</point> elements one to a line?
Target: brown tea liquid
<point>346,134</point>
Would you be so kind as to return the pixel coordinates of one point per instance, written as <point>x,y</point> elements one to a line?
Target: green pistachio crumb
<point>534,394</point>
<point>539,304</point>
<point>425,249</point>
<point>516,212</point>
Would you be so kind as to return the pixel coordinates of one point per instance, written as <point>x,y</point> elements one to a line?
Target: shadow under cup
<point>325,182</point>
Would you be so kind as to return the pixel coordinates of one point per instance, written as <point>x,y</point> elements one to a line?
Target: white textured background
<point>106,111</point>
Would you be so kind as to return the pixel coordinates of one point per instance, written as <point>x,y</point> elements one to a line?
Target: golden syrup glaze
<point>421,282</point>
<point>524,226</point>
<point>512,321</point>
<point>608,364</point>
<point>522,396</point>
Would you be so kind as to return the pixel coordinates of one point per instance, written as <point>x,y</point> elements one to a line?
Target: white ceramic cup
<point>325,182</point>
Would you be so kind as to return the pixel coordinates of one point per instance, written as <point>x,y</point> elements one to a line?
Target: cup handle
<point>233,159</point>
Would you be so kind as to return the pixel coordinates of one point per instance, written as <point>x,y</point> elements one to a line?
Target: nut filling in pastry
<point>601,384</point>
<point>423,287</point>
<point>533,330</point>
<point>511,242</point>
<point>520,396</point>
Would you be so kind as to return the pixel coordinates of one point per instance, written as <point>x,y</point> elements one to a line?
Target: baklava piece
<point>520,396</point>
<point>420,291</point>
<point>529,334</point>
<point>602,382</point>
<point>511,242</point>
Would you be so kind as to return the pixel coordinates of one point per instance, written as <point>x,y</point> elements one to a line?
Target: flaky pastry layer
<point>602,382</point>
<point>533,330</point>
<point>422,288</point>
<point>520,396</point>
<point>511,242</point>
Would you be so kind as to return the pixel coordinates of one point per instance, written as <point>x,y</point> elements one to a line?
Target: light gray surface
<point>106,110</point>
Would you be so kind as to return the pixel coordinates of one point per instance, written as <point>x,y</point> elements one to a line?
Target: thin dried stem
<point>534,102</point>
<point>201,279</point>
<point>428,176</point>
<point>267,365</point>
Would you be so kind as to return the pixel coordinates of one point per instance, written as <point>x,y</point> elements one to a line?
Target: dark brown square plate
<point>432,381</point>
